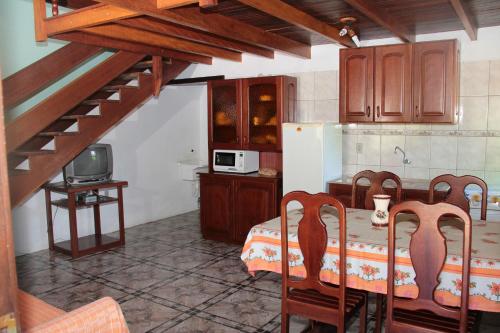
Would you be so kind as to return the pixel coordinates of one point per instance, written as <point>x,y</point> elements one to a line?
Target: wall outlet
<point>359,148</point>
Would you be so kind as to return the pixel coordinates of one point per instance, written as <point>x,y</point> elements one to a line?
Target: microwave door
<point>225,159</point>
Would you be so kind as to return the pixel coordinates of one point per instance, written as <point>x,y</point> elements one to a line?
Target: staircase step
<point>149,63</point>
<point>132,75</point>
<point>116,88</point>
<point>18,172</point>
<point>33,152</point>
<point>58,133</point>
<point>98,101</point>
<point>80,116</point>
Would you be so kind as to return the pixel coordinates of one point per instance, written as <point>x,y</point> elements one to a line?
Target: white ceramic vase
<point>380,216</point>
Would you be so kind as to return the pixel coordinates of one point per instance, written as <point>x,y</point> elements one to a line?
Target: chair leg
<point>285,322</point>
<point>363,313</point>
<point>379,313</point>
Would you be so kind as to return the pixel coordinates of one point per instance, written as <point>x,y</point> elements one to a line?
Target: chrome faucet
<point>405,160</point>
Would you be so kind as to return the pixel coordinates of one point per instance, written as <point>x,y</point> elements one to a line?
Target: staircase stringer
<point>43,167</point>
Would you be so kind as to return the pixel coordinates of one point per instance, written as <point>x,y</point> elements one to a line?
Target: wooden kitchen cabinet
<point>232,204</point>
<point>436,82</point>
<point>248,113</point>
<point>216,195</point>
<point>404,83</point>
<point>224,114</point>
<point>393,84</point>
<point>356,85</point>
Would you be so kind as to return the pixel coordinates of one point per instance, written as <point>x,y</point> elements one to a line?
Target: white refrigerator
<point>312,156</point>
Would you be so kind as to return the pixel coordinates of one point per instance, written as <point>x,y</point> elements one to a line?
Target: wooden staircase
<point>68,119</point>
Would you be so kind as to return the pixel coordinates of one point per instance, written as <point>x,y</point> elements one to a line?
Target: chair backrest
<point>313,238</point>
<point>428,252</point>
<point>377,180</point>
<point>456,195</point>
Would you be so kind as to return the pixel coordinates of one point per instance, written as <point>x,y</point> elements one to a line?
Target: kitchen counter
<point>249,175</point>
<point>406,183</point>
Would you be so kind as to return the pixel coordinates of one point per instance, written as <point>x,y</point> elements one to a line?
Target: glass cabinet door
<point>263,113</point>
<point>225,113</point>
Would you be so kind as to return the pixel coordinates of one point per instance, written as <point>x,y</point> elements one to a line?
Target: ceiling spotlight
<point>347,29</point>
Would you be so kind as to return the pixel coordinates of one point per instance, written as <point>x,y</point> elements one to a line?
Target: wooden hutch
<point>245,114</point>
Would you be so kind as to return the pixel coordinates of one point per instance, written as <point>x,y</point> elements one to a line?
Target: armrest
<point>103,315</point>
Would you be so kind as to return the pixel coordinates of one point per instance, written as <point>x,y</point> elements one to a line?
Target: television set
<point>93,165</point>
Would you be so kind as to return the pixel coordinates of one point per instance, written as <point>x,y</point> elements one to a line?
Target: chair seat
<point>354,300</point>
<point>428,320</point>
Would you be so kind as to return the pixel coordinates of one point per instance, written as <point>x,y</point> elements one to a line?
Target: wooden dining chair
<point>377,180</point>
<point>428,252</point>
<point>456,194</point>
<point>310,297</point>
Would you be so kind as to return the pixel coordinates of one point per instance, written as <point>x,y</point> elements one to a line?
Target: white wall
<point>146,148</point>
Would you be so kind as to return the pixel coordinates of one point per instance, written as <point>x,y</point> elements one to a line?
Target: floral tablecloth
<point>367,256</point>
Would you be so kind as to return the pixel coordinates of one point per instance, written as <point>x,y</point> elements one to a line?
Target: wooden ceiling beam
<point>145,37</point>
<point>382,18</point>
<point>219,25</point>
<point>85,17</point>
<point>290,14</point>
<point>162,27</point>
<point>111,43</point>
<point>465,17</point>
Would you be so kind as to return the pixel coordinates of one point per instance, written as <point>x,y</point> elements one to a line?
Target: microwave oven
<point>239,161</point>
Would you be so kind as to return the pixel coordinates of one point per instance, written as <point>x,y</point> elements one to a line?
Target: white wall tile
<point>493,154</point>
<point>349,169</point>
<point>370,154</point>
<point>444,127</point>
<point>474,78</point>
<point>326,110</point>
<point>325,85</point>
<point>471,153</point>
<point>305,110</point>
<point>418,151</point>
<point>400,171</point>
<point>305,86</point>
<point>363,167</point>
<point>494,114</point>
<point>418,127</point>
<point>433,173</point>
<point>477,173</point>
<point>494,77</point>
<point>473,114</point>
<point>368,126</point>
<point>416,173</point>
<point>492,178</point>
<point>443,152</point>
<point>349,154</point>
<point>387,155</point>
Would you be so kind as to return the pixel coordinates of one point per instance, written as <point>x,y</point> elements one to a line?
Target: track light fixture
<point>347,29</point>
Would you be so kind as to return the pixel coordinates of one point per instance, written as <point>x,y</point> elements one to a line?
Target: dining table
<point>367,257</point>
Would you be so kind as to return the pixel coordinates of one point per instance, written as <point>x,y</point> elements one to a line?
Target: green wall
<point>18,48</point>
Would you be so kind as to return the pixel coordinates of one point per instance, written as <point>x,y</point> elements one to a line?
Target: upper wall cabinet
<point>435,82</point>
<point>248,113</point>
<point>399,83</point>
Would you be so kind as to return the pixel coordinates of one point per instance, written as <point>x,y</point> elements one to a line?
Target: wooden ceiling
<point>197,31</point>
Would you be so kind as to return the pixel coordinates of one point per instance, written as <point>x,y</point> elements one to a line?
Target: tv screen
<point>94,164</point>
<point>92,161</point>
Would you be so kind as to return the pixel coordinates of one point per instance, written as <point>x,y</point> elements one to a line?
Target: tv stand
<point>81,246</point>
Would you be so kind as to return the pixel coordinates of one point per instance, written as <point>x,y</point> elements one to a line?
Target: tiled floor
<point>167,279</point>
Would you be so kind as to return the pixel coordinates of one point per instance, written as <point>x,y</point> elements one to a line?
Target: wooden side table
<point>81,246</point>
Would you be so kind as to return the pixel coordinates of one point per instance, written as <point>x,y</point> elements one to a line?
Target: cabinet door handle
<point>378,111</point>
<point>237,139</point>
<point>245,139</point>
<point>417,113</point>
<point>368,111</point>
